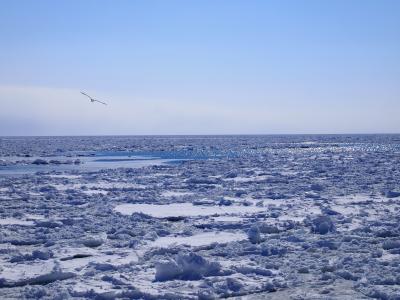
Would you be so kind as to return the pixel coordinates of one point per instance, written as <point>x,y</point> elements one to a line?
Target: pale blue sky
<point>199,67</point>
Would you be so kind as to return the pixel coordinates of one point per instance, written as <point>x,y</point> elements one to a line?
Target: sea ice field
<point>200,217</point>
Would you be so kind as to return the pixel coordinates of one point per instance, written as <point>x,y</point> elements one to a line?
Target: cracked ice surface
<point>258,217</point>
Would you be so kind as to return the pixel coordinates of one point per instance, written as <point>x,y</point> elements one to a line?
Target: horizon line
<point>216,134</point>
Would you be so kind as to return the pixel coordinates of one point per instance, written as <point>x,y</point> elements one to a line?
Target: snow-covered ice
<point>14,221</point>
<point>184,210</point>
<point>200,239</point>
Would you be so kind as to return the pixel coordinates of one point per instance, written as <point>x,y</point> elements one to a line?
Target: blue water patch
<point>121,159</point>
<point>95,161</point>
<point>175,155</point>
<point>88,164</point>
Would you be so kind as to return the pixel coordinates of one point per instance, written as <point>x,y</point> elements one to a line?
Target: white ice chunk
<point>14,221</point>
<point>201,239</point>
<point>184,210</point>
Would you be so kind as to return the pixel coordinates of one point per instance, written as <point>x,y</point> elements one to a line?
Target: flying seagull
<point>93,100</point>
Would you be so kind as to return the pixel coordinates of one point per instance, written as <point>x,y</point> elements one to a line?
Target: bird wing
<point>100,101</point>
<point>86,95</point>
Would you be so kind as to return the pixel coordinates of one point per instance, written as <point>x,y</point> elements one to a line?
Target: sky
<point>199,67</point>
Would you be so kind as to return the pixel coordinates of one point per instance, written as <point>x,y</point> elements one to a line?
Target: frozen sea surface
<point>200,217</point>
